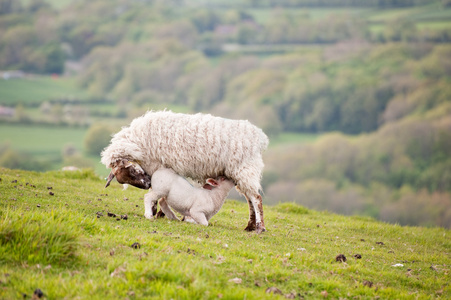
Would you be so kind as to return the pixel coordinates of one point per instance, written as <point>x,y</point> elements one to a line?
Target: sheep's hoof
<point>260,229</point>
<point>250,226</point>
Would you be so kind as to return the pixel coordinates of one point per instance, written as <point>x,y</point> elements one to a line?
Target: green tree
<point>55,59</point>
<point>97,138</point>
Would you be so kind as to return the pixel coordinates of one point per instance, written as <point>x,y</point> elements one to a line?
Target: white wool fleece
<point>199,146</point>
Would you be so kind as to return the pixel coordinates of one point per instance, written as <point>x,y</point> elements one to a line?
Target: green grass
<point>91,258</point>
<point>37,89</point>
<point>37,237</point>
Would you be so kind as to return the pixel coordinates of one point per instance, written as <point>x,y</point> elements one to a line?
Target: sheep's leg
<point>199,217</point>
<point>167,210</point>
<point>251,224</point>
<point>248,183</point>
<point>150,204</point>
<point>256,221</point>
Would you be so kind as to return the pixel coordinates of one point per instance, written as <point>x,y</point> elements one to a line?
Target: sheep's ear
<point>212,182</point>
<point>128,164</point>
<point>110,177</point>
<point>135,166</point>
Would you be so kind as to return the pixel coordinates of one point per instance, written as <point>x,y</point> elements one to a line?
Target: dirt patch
<point>368,283</point>
<point>340,258</point>
<point>136,245</point>
<point>273,290</point>
<point>38,294</point>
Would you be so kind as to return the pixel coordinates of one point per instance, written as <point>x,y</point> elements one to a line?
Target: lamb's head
<point>129,172</point>
<point>221,181</point>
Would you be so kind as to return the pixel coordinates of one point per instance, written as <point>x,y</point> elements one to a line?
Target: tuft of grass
<point>91,256</point>
<point>290,207</point>
<point>34,237</point>
<point>82,174</point>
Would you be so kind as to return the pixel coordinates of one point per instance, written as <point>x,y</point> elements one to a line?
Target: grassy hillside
<point>56,236</point>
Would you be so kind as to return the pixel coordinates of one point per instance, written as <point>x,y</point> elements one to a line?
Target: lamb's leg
<point>199,217</point>
<point>167,210</point>
<point>188,219</point>
<point>160,214</point>
<point>256,221</point>
<point>150,204</point>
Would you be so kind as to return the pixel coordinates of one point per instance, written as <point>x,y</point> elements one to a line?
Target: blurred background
<point>355,95</point>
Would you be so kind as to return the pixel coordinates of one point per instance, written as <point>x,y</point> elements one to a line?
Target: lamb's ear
<point>110,177</point>
<point>207,187</point>
<point>212,182</point>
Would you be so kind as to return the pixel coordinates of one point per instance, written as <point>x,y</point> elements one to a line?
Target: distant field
<point>45,143</point>
<point>55,3</point>
<point>432,12</point>
<point>440,25</point>
<point>292,138</point>
<point>41,141</point>
<point>264,15</point>
<point>382,15</point>
<point>38,89</point>
<point>432,16</point>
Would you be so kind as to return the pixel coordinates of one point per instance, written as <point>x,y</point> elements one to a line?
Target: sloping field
<point>58,234</point>
<point>36,89</point>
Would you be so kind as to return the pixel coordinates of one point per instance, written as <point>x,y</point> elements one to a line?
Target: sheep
<point>194,203</point>
<point>198,146</point>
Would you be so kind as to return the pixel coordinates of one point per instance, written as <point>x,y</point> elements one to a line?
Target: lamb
<point>198,146</point>
<point>195,204</point>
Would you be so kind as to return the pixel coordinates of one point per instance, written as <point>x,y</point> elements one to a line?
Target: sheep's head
<point>129,172</point>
